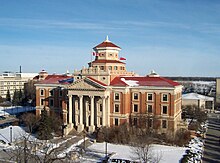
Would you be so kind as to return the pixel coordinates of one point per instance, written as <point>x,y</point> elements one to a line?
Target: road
<point>212,141</point>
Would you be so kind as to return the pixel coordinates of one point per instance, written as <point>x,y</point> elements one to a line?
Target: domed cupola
<point>107,50</point>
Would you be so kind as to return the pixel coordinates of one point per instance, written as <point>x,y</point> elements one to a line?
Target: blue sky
<point>172,37</point>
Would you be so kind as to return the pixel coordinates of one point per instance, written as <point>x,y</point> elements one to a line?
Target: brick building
<point>106,94</point>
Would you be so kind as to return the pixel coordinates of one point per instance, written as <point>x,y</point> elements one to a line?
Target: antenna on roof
<point>107,40</point>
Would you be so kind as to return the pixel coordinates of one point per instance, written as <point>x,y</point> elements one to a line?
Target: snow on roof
<point>131,83</point>
<point>28,75</point>
<point>143,81</point>
<point>195,96</point>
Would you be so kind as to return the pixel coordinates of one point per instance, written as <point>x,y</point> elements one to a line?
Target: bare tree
<point>28,149</point>
<point>30,120</point>
<point>143,150</point>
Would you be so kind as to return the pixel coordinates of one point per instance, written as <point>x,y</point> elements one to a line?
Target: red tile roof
<point>54,79</point>
<point>107,44</point>
<point>103,84</point>
<point>143,81</point>
<point>106,61</point>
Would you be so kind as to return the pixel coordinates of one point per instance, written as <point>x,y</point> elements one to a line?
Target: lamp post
<point>10,134</point>
<point>106,143</point>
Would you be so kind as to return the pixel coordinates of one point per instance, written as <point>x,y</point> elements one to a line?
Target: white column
<point>91,127</point>
<point>103,111</point>
<point>80,126</point>
<point>81,109</point>
<point>70,112</point>
<point>87,113</point>
<point>76,112</point>
<point>108,111</point>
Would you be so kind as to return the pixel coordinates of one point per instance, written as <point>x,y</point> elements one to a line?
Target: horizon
<point>174,38</point>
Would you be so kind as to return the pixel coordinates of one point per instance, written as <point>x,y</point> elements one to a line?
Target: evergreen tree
<point>45,129</point>
<point>15,100</point>
<point>18,97</point>
<point>8,96</point>
<point>30,93</point>
<point>1,99</point>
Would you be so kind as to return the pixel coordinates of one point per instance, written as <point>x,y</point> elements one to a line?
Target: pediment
<point>85,84</point>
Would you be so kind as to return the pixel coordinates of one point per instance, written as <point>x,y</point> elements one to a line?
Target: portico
<point>88,106</point>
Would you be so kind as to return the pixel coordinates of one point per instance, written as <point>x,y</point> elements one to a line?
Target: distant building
<point>106,94</point>
<point>201,101</point>
<point>13,81</point>
<point>218,92</point>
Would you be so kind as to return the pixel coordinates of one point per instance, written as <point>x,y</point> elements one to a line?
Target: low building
<point>201,101</point>
<point>106,94</point>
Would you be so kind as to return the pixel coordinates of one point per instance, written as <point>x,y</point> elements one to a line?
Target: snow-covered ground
<point>168,153</point>
<point>15,131</point>
<point>14,110</point>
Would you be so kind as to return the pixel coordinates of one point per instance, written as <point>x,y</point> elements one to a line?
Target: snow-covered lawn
<point>169,153</point>
<point>17,132</point>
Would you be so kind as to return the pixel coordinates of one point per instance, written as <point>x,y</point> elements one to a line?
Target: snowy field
<point>168,153</point>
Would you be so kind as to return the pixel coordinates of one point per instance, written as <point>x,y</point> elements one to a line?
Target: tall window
<point>117,96</point>
<point>41,92</point>
<point>164,97</point>
<point>100,107</point>
<point>135,107</point>
<point>135,95</point>
<point>149,108</point>
<point>116,108</point>
<point>51,102</point>
<point>150,123</point>
<point>100,120</point>
<point>115,68</point>
<point>135,121</point>
<point>60,93</point>
<point>164,124</point>
<point>41,101</point>
<point>164,109</point>
<point>51,92</point>
<point>116,122</point>
<point>149,97</point>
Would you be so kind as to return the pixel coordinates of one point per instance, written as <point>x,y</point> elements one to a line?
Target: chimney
<point>20,69</point>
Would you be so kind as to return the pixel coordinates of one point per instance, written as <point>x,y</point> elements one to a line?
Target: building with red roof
<point>106,94</point>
